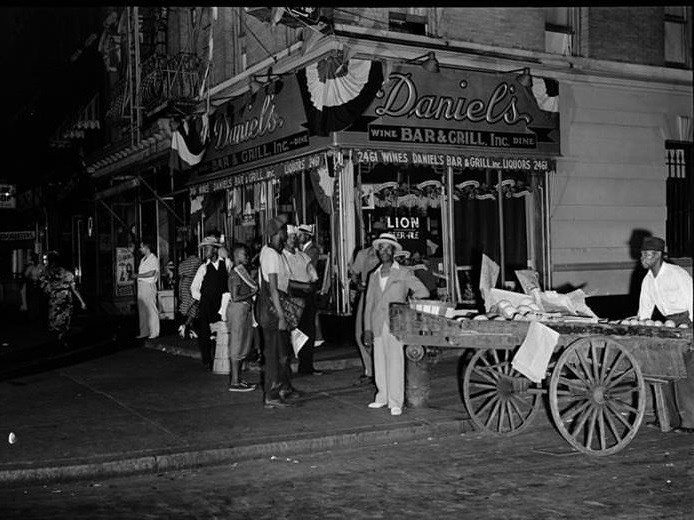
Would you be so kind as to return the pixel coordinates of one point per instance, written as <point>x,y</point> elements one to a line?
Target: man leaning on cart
<point>669,288</point>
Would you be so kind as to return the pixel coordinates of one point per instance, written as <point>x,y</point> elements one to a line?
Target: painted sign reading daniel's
<point>460,108</point>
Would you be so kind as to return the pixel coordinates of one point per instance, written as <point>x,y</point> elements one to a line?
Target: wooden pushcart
<point>596,389</point>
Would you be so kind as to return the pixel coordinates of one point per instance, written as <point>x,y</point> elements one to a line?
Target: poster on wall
<point>125,267</point>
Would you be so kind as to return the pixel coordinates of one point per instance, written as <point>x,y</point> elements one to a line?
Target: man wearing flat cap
<point>208,287</point>
<point>669,288</point>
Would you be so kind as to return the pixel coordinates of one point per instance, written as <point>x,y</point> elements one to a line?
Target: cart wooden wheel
<point>499,399</point>
<point>597,395</point>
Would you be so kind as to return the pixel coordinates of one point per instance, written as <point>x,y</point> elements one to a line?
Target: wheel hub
<point>599,394</point>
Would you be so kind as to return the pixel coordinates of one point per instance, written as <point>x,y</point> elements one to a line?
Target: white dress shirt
<point>383,280</point>
<point>670,291</point>
<point>200,275</point>
<point>149,263</point>
<point>273,262</point>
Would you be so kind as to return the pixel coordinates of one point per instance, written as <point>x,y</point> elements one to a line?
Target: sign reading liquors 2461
<point>463,109</point>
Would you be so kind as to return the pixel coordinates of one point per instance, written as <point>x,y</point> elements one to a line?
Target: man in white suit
<point>389,283</point>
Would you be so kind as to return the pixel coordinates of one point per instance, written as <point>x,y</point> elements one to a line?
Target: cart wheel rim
<point>597,395</point>
<point>498,399</point>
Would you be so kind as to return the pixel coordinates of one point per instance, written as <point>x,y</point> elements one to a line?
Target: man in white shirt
<point>669,288</point>
<point>665,286</point>
<point>208,287</point>
<point>147,277</point>
<point>274,277</point>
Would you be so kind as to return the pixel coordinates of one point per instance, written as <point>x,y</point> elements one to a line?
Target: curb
<point>324,364</point>
<point>217,456</point>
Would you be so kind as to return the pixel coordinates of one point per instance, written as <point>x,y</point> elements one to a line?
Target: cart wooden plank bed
<point>596,389</point>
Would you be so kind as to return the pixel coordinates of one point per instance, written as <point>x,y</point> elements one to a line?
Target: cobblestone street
<point>533,476</point>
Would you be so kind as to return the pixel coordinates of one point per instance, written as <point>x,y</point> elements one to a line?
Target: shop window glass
<point>408,22</point>
<point>507,229</point>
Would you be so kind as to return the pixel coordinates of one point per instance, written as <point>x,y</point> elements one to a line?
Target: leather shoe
<point>395,411</point>
<point>376,404</point>
<point>682,429</point>
<point>277,403</point>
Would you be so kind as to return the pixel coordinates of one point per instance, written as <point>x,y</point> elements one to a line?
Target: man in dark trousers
<point>307,323</point>
<point>208,286</point>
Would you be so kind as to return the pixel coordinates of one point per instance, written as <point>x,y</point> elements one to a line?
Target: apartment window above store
<point>679,225</point>
<point>413,21</point>
<point>678,43</point>
<point>562,30</point>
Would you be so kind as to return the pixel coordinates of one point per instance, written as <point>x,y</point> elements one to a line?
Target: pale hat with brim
<point>306,228</point>
<point>402,254</point>
<point>292,230</point>
<point>210,241</point>
<point>387,238</point>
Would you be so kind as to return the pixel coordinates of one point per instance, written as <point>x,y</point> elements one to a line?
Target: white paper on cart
<point>298,340</point>
<point>532,357</point>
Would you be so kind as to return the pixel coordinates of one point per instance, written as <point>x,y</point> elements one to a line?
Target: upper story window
<point>414,21</point>
<point>562,30</point>
<point>677,34</point>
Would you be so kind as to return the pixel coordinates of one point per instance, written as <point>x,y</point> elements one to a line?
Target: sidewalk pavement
<point>143,410</point>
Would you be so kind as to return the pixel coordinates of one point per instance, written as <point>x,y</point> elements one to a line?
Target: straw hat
<point>387,238</point>
<point>210,241</point>
<point>307,228</point>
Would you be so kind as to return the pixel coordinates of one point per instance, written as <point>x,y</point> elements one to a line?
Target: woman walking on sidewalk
<point>59,284</point>
<point>239,316</point>
<point>188,308</point>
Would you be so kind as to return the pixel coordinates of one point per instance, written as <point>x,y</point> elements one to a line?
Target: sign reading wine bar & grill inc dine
<point>461,109</point>
<point>252,128</point>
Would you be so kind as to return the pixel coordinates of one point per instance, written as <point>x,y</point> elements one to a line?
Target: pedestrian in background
<point>304,281</point>
<point>389,283</point>
<point>147,277</point>
<point>209,284</point>
<point>239,316</point>
<point>58,284</point>
<point>34,301</point>
<point>274,277</point>
<point>188,306</point>
<point>364,264</point>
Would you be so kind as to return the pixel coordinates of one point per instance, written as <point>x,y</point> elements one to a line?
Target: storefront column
<point>502,236</point>
<point>449,267</point>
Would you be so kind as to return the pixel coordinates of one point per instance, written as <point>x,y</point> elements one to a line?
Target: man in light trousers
<point>147,277</point>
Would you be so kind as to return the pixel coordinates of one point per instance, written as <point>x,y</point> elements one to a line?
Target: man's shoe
<point>152,337</point>
<point>277,403</point>
<point>182,331</point>
<point>395,411</point>
<point>141,336</point>
<point>292,393</point>
<point>364,380</point>
<point>376,404</point>
<point>241,387</point>
<point>653,424</point>
<point>682,429</point>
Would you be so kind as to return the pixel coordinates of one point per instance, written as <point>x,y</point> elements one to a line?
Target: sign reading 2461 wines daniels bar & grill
<point>460,108</point>
<point>248,130</point>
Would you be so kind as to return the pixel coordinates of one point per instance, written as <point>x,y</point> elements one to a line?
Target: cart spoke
<point>509,412</point>
<point>618,415</point>
<point>502,410</point>
<point>483,384</point>
<point>608,415</point>
<point>514,404</point>
<point>571,383</point>
<point>594,362</point>
<point>496,356</point>
<point>623,390</point>
<point>575,370</point>
<point>493,399</point>
<point>605,362</point>
<point>591,428</point>
<point>614,365</point>
<point>601,429</point>
<point>485,374</point>
<point>584,366</point>
<point>492,415</point>
<point>484,393</point>
<point>624,405</point>
<point>569,413</point>
<point>581,420</point>
<point>614,382</point>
